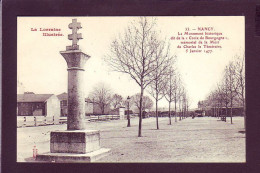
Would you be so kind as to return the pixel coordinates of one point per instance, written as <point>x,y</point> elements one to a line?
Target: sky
<point>42,69</point>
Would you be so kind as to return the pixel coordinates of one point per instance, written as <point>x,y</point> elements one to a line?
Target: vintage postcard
<point>131,89</point>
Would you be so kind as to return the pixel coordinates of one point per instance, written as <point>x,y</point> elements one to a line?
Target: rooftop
<point>63,96</point>
<point>33,97</point>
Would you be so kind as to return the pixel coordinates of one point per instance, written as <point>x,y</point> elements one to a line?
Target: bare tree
<point>159,76</point>
<point>232,86</point>
<point>220,99</point>
<point>180,97</point>
<point>134,54</point>
<point>184,104</point>
<point>116,100</point>
<point>101,95</point>
<point>180,101</point>
<point>240,77</point>
<point>176,86</point>
<point>188,104</point>
<point>170,89</point>
<point>231,90</point>
<point>213,102</point>
<point>147,103</point>
<point>224,89</point>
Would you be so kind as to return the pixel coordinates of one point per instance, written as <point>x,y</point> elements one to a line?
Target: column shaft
<point>76,100</point>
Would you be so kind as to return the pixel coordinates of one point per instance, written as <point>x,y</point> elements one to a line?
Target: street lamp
<point>128,117</point>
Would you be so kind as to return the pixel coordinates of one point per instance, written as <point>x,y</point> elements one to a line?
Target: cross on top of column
<point>74,36</point>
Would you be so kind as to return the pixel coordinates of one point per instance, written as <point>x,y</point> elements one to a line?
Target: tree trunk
<point>180,112</point>
<point>175,113</point>
<point>103,109</point>
<point>156,111</point>
<point>188,114</point>
<point>218,112</point>
<point>231,105</point>
<point>220,109</point>
<point>169,113</point>
<point>140,113</point>
<point>244,113</point>
<point>226,110</point>
<point>128,116</point>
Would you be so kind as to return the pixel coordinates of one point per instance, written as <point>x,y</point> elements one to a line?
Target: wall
<point>235,111</point>
<point>97,110</point>
<point>53,107</point>
<point>88,108</point>
<point>31,108</point>
<point>122,113</point>
<point>64,107</point>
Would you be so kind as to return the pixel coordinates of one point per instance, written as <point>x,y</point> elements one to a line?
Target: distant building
<point>211,109</point>
<point>30,104</point>
<point>63,97</point>
<point>118,111</point>
<point>94,109</point>
<point>90,108</point>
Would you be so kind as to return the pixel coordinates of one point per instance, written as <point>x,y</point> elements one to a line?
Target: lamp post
<point>128,116</point>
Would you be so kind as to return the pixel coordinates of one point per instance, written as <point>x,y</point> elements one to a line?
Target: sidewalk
<point>202,139</point>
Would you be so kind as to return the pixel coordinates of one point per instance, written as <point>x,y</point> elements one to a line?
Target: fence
<point>28,121</point>
<point>104,117</point>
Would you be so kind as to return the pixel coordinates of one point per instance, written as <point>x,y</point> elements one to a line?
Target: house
<point>30,104</point>
<point>63,97</point>
<point>89,106</point>
<point>94,108</point>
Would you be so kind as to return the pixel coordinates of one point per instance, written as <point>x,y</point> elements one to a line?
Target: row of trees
<point>230,91</point>
<point>142,54</point>
<point>103,96</point>
<point>174,91</point>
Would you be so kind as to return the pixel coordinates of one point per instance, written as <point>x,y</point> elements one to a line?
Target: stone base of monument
<point>72,157</point>
<point>74,146</point>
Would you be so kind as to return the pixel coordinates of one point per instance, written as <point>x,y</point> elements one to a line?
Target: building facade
<point>63,98</point>
<point>30,104</point>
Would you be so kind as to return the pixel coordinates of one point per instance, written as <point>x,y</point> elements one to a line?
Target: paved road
<point>190,140</point>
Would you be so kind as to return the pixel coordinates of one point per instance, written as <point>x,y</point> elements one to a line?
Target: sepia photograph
<point>131,89</point>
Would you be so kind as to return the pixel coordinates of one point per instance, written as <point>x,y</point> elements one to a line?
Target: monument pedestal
<point>75,141</point>
<point>71,157</point>
<point>74,146</point>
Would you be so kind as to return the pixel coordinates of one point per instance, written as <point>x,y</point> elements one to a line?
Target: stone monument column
<point>76,144</point>
<point>76,60</point>
<point>76,97</point>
